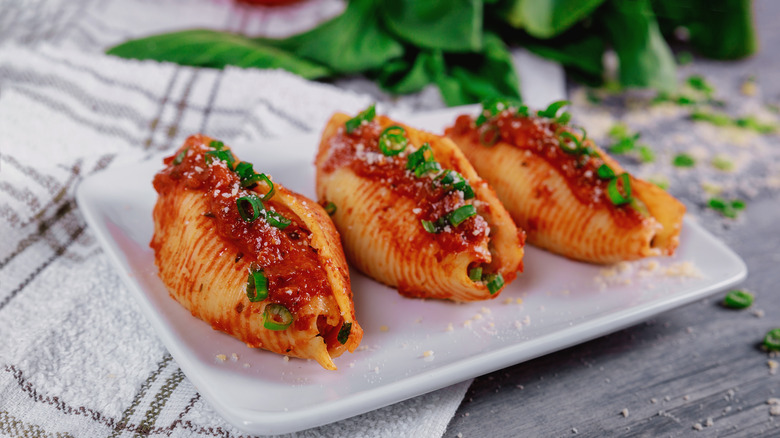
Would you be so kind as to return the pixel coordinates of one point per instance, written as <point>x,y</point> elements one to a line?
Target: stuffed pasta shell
<point>413,213</point>
<point>563,190</point>
<point>251,258</point>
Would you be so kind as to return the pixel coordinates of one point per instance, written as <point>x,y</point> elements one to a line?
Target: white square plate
<point>562,305</point>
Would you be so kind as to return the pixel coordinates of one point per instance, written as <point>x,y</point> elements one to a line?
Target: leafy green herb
<point>738,299</point>
<point>344,332</point>
<point>683,160</point>
<point>619,131</point>
<point>747,122</point>
<point>729,209</point>
<point>625,145</point>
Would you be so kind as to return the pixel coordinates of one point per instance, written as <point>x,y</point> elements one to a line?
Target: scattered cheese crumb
<point>519,301</point>
<point>376,370</point>
<point>221,357</point>
<point>477,316</point>
<point>709,422</point>
<point>427,353</point>
<point>758,313</point>
<point>234,357</point>
<point>508,300</point>
<point>624,413</point>
<point>449,327</point>
<point>286,358</point>
<point>772,366</point>
<point>467,323</point>
<point>653,401</point>
<point>246,365</point>
<point>384,328</point>
<point>774,411</point>
<point>773,401</point>
<point>686,397</point>
<point>485,310</point>
<point>698,426</point>
<point>574,430</point>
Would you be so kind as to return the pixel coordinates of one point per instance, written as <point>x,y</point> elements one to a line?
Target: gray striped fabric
<point>77,357</point>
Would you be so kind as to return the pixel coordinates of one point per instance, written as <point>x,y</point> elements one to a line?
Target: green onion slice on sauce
<point>330,208</point>
<point>738,299</point>
<point>277,220</point>
<point>257,286</point>
<point>429,226</point>
<point>216,144</point>
<point>460,214</point>
<point>493,107</point>
<point>614,193</point>
<point>276,317</point>
<point>180,156</point>
<point>425,167</point>
<point>475,274</point>
<point>417,157</point>
<point>367,115</point>
<point>249,207</point>
<point>552,111</point>
<point>392,141</point>
<point>605,172</point>
<point>489,135</point>
<point>344,332</point>
<point>222,155</point>
<point>494,282</point>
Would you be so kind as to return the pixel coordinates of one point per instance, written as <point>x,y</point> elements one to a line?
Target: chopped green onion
<point>563,136</point>
<point>216,144</point>
<point>223,155</point>
<point>367,115</point>
<point>276,317</point>
<point>489,135</point>
<point>344,332</point>
<point>697,82</point>
<point>683,160</point>
<point>722,163</point>
<point>392,141</point>
<point>428,166</point>
<point>460,214</point>
<point>660,181</point>
<point>249,202</point>
<point>552,111</point>
<point>277,220</point>
<point>772,340</point>
<point>494,282</point>
<point>429,226</point>
<point>625,144</point>
<point>180,156</point>
<point>264,177</point>
<point>729,209</point>
<point>475,274</point>
<point>330,208</point>
<point>613,191</point>
<point>646,154</point>
<point>415,158</point>
<point>493,107</point>
<point>564,118</point>
<point>715,119</point>
<point>257,286</point>
<point>457,181</point>
<point>619,131</point>
<point>605,172</point>
<point>738,299</point>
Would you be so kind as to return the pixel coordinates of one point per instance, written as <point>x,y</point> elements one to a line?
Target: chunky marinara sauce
<point>537,135</point>
<point>360,152</point>
<point>289,262</point>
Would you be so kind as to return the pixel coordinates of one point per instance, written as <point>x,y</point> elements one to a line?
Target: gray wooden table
<point>694,371</point>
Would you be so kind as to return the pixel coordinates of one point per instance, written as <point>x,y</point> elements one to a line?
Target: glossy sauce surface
<point>537,135</point>
<point>361,153</point>
<point>289,262</point>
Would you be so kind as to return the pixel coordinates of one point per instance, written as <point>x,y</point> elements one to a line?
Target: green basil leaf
<point>402,77</point>
<point>449,25</point>
<point>353,42</point>
<point>476,77</point>
<point>208,48</point>
<point>548,18</point>
<point>645,58</point>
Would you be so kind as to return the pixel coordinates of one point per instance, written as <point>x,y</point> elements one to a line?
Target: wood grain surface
<point>694,371</point>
